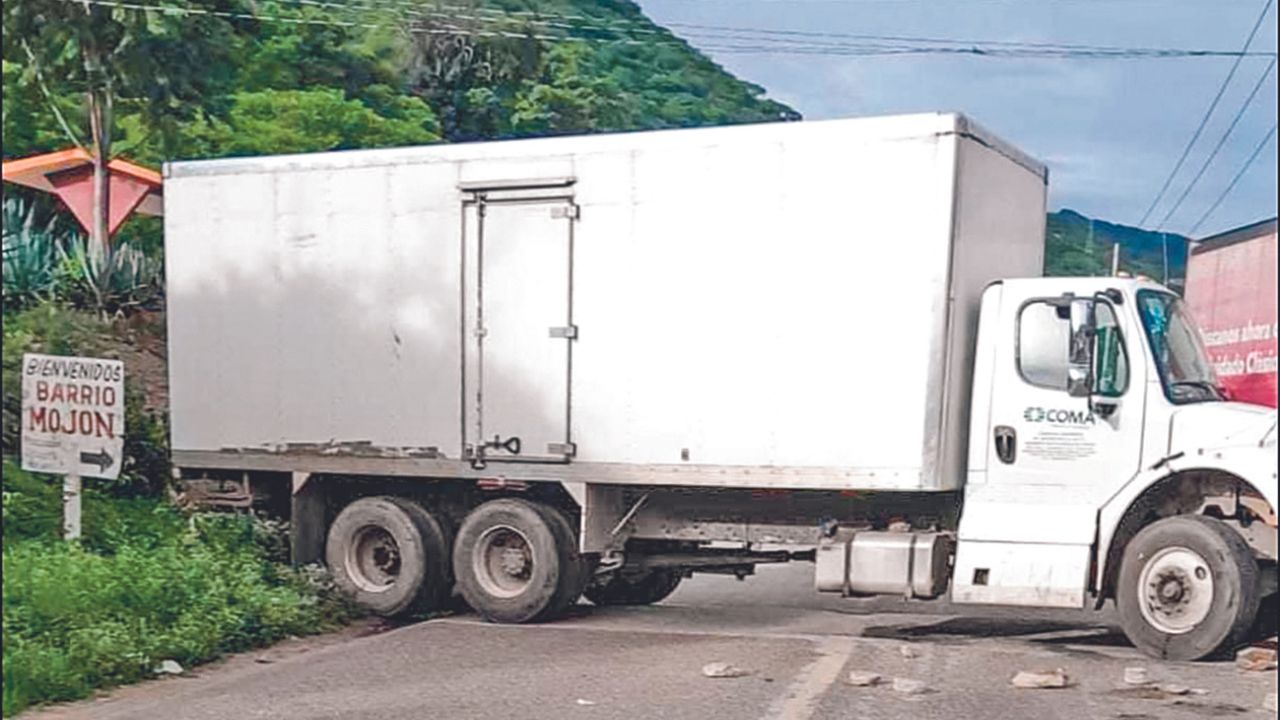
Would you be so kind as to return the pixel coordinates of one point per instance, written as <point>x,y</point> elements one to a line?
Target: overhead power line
<point>789,41</point>
<point>1243,169</point>
<point>489,27</point>
<point>587,22</point>
<point>1216,148</point>
<point>1207,113</point>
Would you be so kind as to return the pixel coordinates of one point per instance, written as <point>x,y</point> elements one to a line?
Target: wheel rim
<point>1176,590</point>
<point>503,561</point>
<point>373,562</point>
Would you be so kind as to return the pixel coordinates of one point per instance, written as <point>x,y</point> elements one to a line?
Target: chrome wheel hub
<point>503,561</point>
<point>373,562</point>
<point>1176,590</point>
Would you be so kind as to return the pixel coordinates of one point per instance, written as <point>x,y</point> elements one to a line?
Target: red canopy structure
<point>69,175</point>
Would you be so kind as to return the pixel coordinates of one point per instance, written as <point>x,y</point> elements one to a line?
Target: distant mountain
<point>1079,245</point>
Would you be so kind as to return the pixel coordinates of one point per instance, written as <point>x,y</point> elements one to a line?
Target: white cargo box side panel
<point>767,301</point>
<point>765,304</point>
<point>314,306</point>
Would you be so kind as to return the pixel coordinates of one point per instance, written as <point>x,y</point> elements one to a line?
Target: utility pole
<point>1164,249</point>
<point>1115,259</point>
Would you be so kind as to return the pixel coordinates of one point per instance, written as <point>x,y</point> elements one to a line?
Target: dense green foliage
<point>1077,245</point>
<point>145,585</point>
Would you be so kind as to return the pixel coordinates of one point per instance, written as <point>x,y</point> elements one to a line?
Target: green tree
<point>293,121</point>
<point>30,125</point>
<point>162,64</point>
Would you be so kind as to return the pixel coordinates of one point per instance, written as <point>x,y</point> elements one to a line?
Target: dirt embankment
<point>141,343</point>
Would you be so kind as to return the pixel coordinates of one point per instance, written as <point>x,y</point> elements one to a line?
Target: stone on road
<point>1136,676</point>
<point>723,670</point>
<point>1041,679</point>
<point>863,679</point>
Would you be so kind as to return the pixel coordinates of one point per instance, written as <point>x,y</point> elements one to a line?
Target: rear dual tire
<point>517,561</point>
<point>390,556</point>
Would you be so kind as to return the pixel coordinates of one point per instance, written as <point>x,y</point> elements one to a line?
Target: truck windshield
<point>1180,356</point>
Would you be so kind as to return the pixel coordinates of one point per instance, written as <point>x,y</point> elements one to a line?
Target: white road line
<point>801,698</point>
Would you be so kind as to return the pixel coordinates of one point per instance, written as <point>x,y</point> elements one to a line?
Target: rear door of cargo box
<point>519,246</point>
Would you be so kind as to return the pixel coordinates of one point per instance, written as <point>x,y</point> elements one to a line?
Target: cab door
<point>1029,522</point>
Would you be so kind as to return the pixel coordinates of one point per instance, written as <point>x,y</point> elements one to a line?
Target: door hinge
<point>566,449</point>
<point>569,332</point>
<point>565,212</point>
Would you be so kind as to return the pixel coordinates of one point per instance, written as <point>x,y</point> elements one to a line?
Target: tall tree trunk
<point>99,250</point>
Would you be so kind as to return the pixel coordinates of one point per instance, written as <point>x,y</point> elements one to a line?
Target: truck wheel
<point>577,568</point>
<point>513,561</point>
<point>644,589</point>
<point>389,555</point>
<point>1188,588</point>
<point>1268,619</point>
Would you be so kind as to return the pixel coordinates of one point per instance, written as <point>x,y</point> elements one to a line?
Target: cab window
<point>1044,333</point>
<point>1044,336</point>
<point>1110,364</point>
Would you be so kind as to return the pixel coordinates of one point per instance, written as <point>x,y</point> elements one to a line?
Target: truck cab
<point>1105,461</point>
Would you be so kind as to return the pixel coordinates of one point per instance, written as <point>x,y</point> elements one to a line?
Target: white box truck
<point>531,370</point>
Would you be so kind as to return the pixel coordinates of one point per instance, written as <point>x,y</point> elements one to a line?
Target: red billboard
<point>1231,290</point>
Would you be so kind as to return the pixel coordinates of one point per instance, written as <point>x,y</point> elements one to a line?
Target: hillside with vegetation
<point>319,75</point>
<point>1079,245</point>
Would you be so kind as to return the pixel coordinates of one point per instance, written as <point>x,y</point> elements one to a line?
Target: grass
<point>145,584</point>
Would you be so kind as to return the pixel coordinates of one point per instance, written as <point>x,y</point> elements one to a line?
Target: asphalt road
<point>796,647</point>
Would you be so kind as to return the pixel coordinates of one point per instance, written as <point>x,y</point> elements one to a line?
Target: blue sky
<point>1110,130</point>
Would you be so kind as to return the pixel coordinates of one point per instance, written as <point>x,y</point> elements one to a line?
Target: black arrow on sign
<point>102,459</point>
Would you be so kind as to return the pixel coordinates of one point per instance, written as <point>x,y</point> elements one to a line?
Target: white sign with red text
<point>72,415</point>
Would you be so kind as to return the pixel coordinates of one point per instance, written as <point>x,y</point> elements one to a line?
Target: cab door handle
<point>1006,444</point>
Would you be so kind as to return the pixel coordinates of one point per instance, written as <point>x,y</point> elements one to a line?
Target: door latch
<point>1006,444</point>
<point>511,444</point>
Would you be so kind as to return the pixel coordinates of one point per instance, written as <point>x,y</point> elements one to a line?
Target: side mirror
<point>1080,352</point>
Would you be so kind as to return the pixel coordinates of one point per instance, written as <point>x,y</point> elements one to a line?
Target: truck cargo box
<point>779,305</point>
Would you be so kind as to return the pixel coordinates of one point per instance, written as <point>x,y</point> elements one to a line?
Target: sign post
<point>72,423</point>
<point>71,506</point>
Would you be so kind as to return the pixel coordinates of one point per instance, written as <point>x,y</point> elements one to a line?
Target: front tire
<point>1188,588</point>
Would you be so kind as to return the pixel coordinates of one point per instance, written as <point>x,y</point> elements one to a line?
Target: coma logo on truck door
<point>1059,434</point>
<point>1058,416</point>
